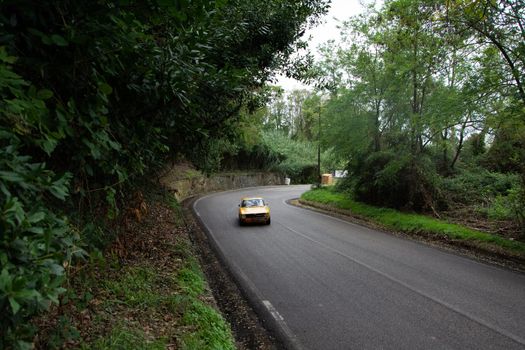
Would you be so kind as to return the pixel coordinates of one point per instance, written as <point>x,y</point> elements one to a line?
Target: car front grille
<point>261,215</point>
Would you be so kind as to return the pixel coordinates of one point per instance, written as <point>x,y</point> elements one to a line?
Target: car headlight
<point>243,216</point>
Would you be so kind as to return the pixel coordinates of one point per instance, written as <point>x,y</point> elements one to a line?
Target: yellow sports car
<point>254,210</point>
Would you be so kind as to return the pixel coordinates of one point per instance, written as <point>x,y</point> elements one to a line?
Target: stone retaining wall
<point>184,188</point>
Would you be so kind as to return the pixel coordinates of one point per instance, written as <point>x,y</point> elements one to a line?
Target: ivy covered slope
<point>96,95</point>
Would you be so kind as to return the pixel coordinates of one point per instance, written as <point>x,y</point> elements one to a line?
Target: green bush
<point>497,196</point>
<point>296,159</point>
<point>499,209</point>
<point>391,179</point>
<point>516,198</point>
<point>508,207</point>
<point>477,186</point>
<point>35,243</point>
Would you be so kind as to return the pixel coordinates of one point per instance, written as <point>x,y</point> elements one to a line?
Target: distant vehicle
<point>254,210</point>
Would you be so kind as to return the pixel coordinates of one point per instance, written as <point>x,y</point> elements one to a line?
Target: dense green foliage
<point>282,136</point>
<point>96,95</point>
<point>425,95</point>
<point>295,158</point>
<point>35,242</point>
<point>285,137</point>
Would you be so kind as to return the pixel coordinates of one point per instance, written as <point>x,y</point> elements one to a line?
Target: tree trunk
<point>460,143</point>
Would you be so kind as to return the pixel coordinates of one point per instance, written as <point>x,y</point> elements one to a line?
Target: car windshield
<point>252,203</point>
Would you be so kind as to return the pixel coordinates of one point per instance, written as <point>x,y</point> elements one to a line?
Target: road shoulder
<point>465,248</point>
<point>249,329</point>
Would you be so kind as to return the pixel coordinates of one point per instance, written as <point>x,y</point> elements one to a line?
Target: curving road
<point>330,284</point>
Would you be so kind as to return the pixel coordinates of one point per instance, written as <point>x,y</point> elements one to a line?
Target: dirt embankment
<point>154,245</point>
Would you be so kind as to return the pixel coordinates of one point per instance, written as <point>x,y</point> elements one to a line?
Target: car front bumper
<point>254,218</point>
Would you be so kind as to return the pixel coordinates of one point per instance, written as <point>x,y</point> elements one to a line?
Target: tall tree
<point>97,94</point>
<point>501,24</point>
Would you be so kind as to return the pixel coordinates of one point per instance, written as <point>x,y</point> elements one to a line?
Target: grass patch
<point>122,337</point>
<point>192,174</point>
<point>210,330</point>
<point>409,223</point>
<point>138,288</point>
<point>134,287</point>
<point>191,281</point>
<point>175,206</point>
<point>146,292</point>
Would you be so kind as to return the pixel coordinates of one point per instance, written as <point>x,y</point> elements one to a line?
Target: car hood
<point>254,210</point>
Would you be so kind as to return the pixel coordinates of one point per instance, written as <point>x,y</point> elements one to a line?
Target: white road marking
<point>284,327</point>
<point>236,270</point>
<point>275,314</point>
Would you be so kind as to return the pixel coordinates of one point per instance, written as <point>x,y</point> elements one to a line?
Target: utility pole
<point>319,177</point>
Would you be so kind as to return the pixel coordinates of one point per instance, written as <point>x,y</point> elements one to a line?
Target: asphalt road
<point>330,284</point>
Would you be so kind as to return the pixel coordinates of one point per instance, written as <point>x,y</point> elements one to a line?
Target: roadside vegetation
<point>412,223</point>
<point>147,292</point>
<point>426,105</point>
<point>422,102</point>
